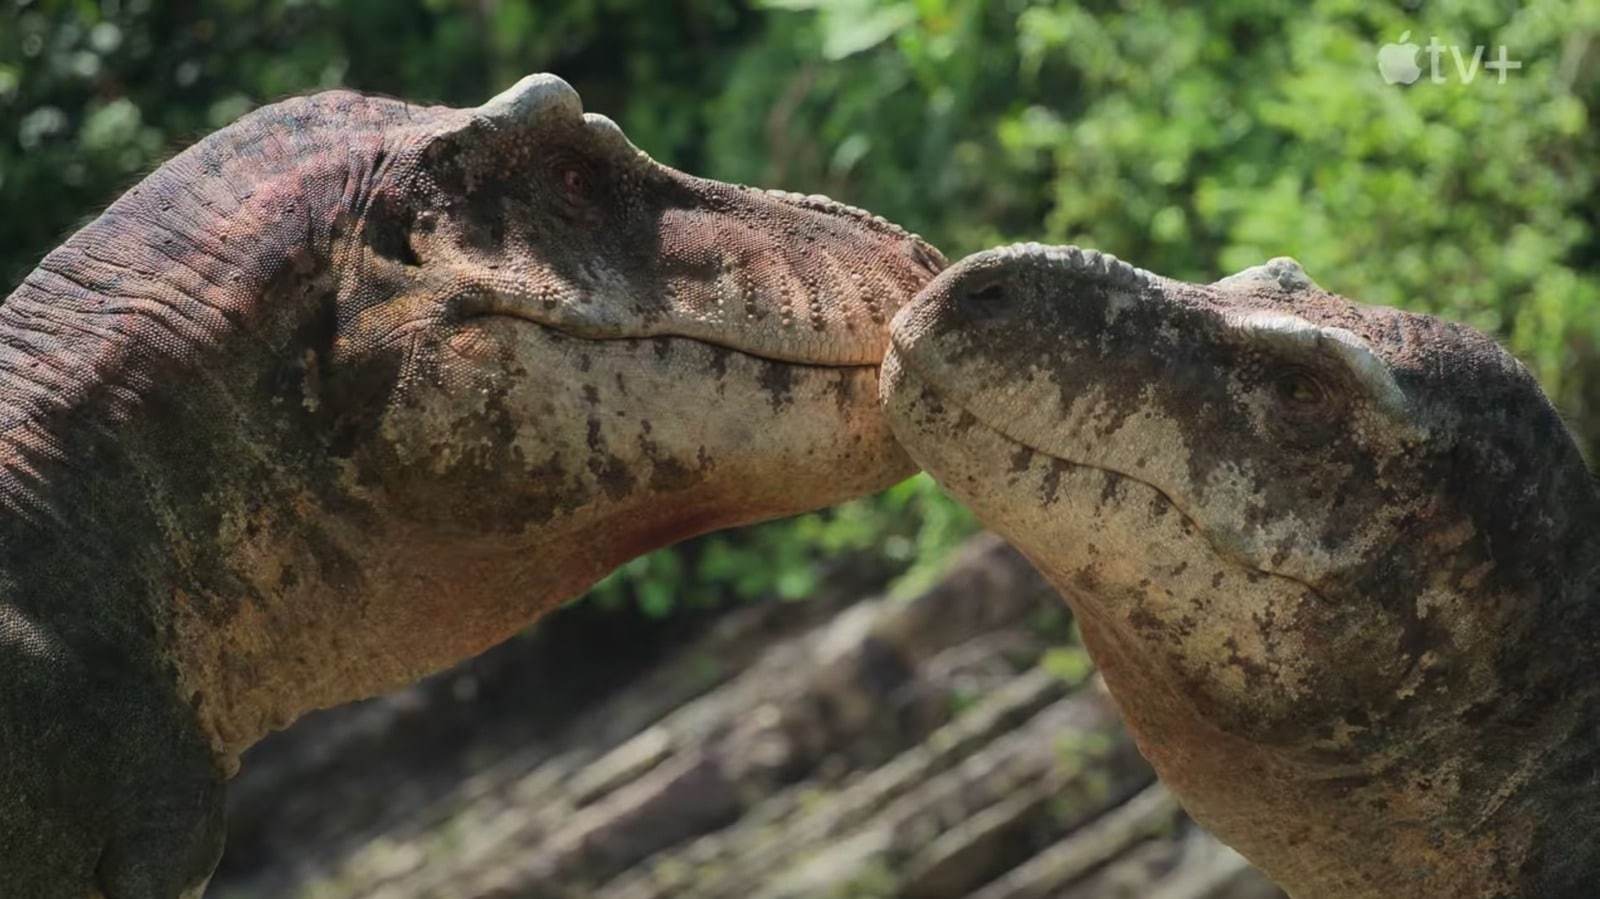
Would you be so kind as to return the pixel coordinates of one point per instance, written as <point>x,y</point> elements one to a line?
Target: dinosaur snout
<point>927,256</point>
<point>791,277</point>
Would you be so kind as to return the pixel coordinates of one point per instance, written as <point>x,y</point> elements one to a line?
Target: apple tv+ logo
<point>1397,62</point>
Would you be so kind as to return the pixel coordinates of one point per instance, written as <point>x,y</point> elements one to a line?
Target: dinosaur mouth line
<point>566,334</point>
<point>1232,558</point>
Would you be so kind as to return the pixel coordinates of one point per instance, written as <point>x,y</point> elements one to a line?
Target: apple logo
<point>1397,63</point>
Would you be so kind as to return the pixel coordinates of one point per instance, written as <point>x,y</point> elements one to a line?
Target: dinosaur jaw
<point>773,275</point>
<point>855,354</point>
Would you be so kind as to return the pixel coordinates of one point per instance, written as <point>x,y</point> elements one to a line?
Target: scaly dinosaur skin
<point>354,389</point>
<point>1337,563</point>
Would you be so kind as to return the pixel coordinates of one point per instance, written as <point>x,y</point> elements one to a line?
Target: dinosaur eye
<point>1300,392</point>
<point>574,182</point>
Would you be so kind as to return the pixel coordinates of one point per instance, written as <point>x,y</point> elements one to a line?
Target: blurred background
<point>873,701</point>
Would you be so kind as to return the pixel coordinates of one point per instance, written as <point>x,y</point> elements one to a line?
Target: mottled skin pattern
<point>353,389</point>
<point>1337,563</point>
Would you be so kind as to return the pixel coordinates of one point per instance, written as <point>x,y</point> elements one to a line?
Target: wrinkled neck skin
<point>1472,775</point>
<point>137,472</point>
<point>200,530</point>
<point>1436,818</point>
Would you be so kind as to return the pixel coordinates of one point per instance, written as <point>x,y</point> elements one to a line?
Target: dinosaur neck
<point>184,266</point>
<point>190,483</point>
<point>1498,801</point>
<point>143,371</point>
<point>1558,810</point>
<point>1484,783</point>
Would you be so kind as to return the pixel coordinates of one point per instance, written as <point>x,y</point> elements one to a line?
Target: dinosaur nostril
<point>986,299</point>
<point>927,257</point>
<point>988,294</point>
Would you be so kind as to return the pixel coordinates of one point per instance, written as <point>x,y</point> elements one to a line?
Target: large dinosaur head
<point>585,338</point>
<point>352,389</point>
<point>1310,543</point>
<point>459,364</point>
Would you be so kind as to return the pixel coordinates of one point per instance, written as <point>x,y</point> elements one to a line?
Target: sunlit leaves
<point>1197,139</point>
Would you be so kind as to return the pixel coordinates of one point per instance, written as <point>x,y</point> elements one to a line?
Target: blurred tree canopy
<point>1191,139</point>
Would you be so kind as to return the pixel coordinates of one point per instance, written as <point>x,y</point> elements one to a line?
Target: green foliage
<point>1192,139</point>
<point>1070,663</point>
<point>1198,139</point>
<point>92,94</point>
<point>911,527</point>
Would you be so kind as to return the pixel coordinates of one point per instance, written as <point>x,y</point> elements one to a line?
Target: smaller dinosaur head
<point>1304,538</point>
